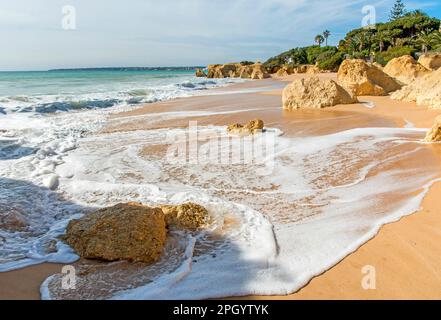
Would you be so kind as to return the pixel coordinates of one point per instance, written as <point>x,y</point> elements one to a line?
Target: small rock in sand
<point>188,216</point>
<point>12,219</point>
<point>251,128</point>
<point>434,135</point>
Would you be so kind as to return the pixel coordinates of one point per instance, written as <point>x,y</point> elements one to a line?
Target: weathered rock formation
<point>200,73</point>
<point>424,91</point>
<point>259,72</point>
<point>315,93</point>
<point>363,79</point>
<point>131,231</point>
<point>243,130</point>
<point>123,232</point>
<point>237,70</point>
<point>405,69</point>
<point>434,134</point>
<point>431,61</point>
<point>284,71</point>
<point>188,216</point>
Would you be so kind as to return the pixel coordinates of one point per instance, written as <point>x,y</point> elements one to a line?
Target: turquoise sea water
<point>51,91</point>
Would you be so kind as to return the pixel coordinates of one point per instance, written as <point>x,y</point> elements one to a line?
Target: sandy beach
<point>405,254</point>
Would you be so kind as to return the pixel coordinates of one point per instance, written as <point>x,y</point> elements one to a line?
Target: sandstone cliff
<point>363,79</point>
<point>405,69</point>
<point>237,70</point>
<point>431,61</point>
<point>315,93</point>
<point>424,91</point>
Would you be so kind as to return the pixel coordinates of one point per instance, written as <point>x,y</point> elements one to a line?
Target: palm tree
<point>326,35</point>
<point>436,40</point>
<point>319,39</point>
<point>425,41</point>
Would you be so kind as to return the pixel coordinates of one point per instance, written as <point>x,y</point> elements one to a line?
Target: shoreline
<point>343,280</point>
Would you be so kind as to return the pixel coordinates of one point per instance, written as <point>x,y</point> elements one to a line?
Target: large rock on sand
<point>363,79</point>
<point>431,61</point>
<point>124,232</point>
<point>424,91</point>
<point>315,93</point>
<point>434,135</point>
<point>405,69</point>
<point>251,128</point>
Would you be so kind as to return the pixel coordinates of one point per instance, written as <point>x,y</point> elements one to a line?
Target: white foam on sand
<point>299,209</point>
<point>322,199</point>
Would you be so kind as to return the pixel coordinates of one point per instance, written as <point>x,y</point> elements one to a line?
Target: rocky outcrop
<point>311,69</point>
<point>200,73</point>
<point>123,232</point>
<point>188,216</point>
<point>237,70</point>
<point>131,231</point>
<point>315,93</point>
<point>434,134</point>
<point>243,130</point>
<point>306,68</point>
<point>405,69</point>
<point>259,72</point>
<point>284,71</point>
<point>431,61</point>
<point>424,91</point>
<point>363,79</point>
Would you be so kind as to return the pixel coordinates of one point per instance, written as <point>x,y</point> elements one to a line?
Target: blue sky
<point>172,32</point>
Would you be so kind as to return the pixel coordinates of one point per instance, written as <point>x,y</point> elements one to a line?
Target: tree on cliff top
<point>326,35</point>
<point>398,10</point>
<point>319,39</point>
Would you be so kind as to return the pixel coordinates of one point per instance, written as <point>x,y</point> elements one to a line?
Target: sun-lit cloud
<point>172,32</point>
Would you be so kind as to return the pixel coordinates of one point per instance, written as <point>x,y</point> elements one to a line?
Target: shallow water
<point>298,211</point>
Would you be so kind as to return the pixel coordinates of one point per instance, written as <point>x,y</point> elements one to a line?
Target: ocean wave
<point>46,104</point>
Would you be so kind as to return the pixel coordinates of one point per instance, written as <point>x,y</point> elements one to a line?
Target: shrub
<point>331,62</point>
<point>394,52</point>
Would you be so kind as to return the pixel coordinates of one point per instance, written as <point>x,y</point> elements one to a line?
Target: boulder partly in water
<point>123,232</point>
<point>251,128</point>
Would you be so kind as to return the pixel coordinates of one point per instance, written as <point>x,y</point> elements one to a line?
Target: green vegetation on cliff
<point>406,33</point>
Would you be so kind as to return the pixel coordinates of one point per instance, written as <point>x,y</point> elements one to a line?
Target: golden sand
<point>406,254</point>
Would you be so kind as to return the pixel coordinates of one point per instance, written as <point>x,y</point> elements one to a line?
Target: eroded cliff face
<point>237,70</point>
<point>362,79</point>
<point>315,93</point>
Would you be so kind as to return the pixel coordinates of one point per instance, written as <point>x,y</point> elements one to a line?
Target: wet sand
<point>406,254</point>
